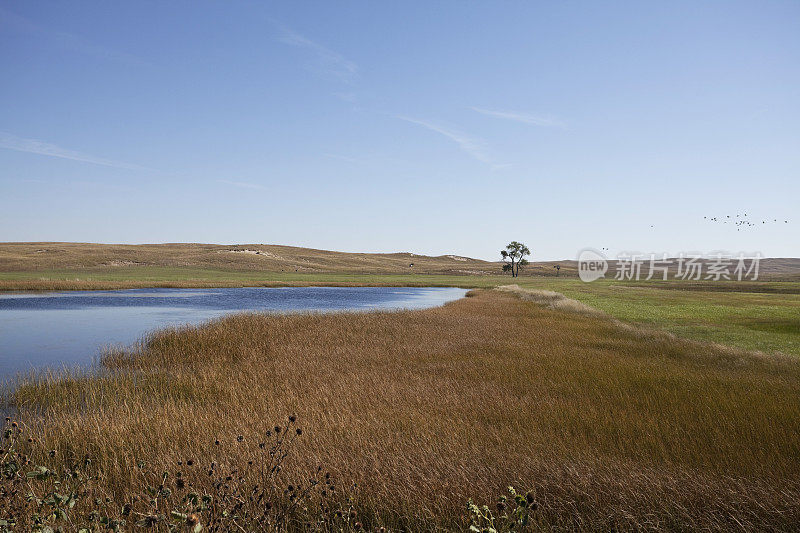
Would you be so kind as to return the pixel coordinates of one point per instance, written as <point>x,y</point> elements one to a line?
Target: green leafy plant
<point>514,512</point>
<point>34,497</point>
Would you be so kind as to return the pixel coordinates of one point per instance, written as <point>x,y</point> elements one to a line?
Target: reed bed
<point>418,412</point>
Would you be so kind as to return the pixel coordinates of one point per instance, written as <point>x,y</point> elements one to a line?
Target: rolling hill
<point>253,258</point>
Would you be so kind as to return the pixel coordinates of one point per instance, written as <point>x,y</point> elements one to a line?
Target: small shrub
<point>252,495</point>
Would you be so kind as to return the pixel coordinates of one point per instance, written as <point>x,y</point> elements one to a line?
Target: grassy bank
<point>423,410</point>
<point>129,278</point>
<point>755,316</point>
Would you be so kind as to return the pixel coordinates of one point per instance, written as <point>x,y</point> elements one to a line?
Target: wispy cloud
<point>472,146</point>
<point>34,146</point>
<point>522,117</point>
<point>244,185</point>
<point>329,61</point>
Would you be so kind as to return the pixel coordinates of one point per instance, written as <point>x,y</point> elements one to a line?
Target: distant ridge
<point>47,256</point>
<point>33,256</point>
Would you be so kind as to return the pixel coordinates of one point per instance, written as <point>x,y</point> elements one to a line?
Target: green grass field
<point>753,316</point>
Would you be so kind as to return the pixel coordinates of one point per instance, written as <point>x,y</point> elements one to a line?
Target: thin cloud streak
<point>244,185</point>
<point>34,146</point>
<point>331,62</point>
<point>522,117</point>
<point>474,147</point>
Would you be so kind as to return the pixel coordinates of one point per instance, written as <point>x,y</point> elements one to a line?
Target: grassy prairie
<point>751,315</point>
<point>610,426</point>
<point>52,265</point>
<point>252,258</point>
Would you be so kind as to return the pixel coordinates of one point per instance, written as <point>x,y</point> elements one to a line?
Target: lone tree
<point>514,256</point>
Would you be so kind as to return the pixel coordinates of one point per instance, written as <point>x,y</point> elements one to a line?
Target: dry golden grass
<point>426,409</point>
<point>45,256</point>
<point>551,299</point>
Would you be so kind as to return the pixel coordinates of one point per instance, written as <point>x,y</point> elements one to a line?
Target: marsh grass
<point>422,411</point>
<point>551,299</point>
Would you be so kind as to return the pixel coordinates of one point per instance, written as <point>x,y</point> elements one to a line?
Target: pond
<point>55,329</point>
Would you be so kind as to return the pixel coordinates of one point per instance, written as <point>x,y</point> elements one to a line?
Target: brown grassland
<point>44,256</point>
<point>417,412</point>
<point>76,266</point>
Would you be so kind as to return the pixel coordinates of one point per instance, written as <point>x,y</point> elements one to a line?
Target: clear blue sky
<point>431,127</point>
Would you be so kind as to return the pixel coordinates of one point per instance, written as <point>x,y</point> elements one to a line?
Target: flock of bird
<point>740,221</point>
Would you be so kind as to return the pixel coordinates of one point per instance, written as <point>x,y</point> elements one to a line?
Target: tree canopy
<point>514,256</point>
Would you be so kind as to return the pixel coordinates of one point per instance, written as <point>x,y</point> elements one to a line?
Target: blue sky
<point>444,127</point>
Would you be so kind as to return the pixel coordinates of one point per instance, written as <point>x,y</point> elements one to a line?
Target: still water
<point>56,329</point>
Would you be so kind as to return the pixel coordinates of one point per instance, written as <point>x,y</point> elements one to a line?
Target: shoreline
<point>495,390</point>
<point>102,285</point>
